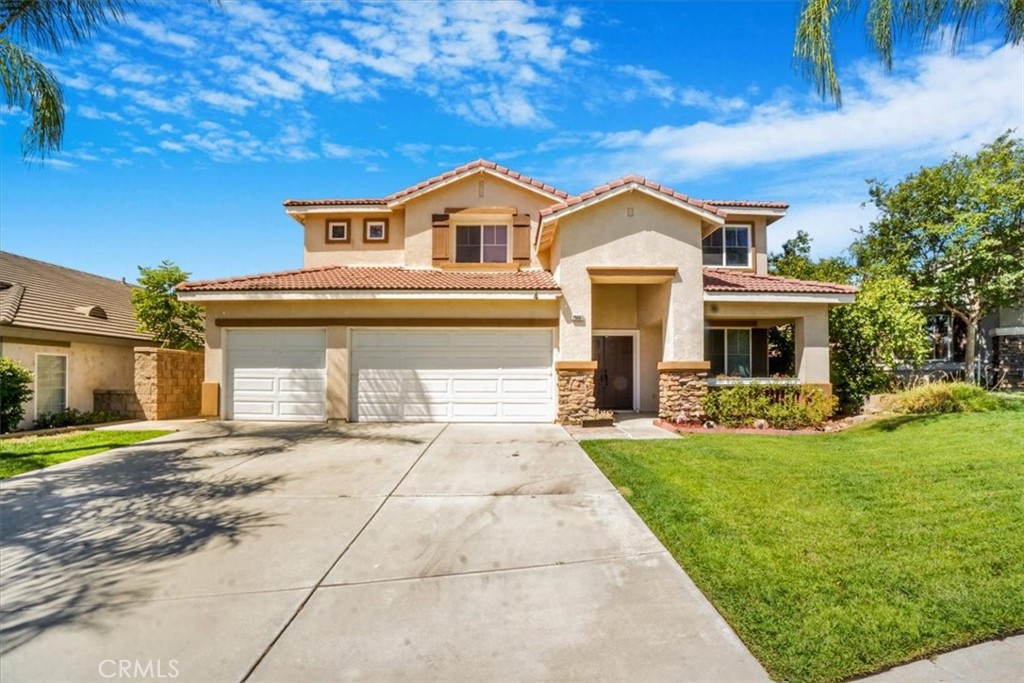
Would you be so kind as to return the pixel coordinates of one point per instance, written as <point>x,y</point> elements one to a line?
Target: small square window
<point>376,230</point>
<point>337,231</point>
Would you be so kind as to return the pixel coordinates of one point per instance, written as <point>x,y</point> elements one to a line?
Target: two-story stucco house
<point>485,295</point>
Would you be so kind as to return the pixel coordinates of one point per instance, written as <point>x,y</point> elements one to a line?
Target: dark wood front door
<point>613,388</point>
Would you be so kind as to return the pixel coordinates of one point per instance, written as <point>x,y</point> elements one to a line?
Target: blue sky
<point>189,123</point>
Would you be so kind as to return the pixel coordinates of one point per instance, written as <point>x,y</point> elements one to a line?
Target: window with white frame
<point>481,244</point>
<point>940,337</point>
<point>728,246</point>
<point>337,231</point>
<point>728,351</point>
<point>51,383</point>
<point>375,230</point>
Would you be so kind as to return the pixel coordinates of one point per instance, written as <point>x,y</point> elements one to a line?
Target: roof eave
<point>830,298</point>
<point>404,198</point>
<point>199,296</point>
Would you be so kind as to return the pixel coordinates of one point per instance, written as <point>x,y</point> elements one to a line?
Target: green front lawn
<point>837,555</point>
<point>33,452</point>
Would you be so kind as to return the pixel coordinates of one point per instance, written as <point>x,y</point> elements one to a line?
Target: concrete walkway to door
<point>263,552</point>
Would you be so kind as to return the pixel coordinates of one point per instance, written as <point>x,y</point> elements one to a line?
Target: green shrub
<point>783,407</point>
<point>15,390</point>
<point>946,397</point>
<point>70,417</point>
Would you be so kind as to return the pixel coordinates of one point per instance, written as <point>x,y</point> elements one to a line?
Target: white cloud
<point>174,105</point>
<point>333,150</point>
<point>106,90</point>
<point>159,33</point>
<point>221,100</point>
<point>78,82</point>
<point>968,99</point>
<point>173,146</point>
<point>653,83</point>
<point>259,81</point>
<point>830,225</point>
<point>136,73</point>
<point>581,45</point>
<point>98,115</point>
<point>572,18</point>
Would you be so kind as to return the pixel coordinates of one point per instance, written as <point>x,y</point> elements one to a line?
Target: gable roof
<point>392,278</point>
<point>747,204</point>
<point>429,185</point>
<point>726,280</point>
<point>39,295</point>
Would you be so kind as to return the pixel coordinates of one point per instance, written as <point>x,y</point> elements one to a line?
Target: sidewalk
<point>997,661</point>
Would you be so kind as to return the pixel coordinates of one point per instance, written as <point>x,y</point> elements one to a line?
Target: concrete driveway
<point>258,552</point>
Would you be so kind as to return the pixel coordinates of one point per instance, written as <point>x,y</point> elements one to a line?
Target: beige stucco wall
<point>90,366</point>
<point>398,313</point>
<point>465,193</point>
<point>656,235</point>
<point>356,252</point>
<point>810,326</point>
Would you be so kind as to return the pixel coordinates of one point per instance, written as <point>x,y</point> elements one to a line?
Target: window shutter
<point>442,237</point>
<point>521,237</point>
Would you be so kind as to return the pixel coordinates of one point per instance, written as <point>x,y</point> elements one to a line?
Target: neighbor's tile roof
<point>479,163</point>
<point>334,202</point>
<point>747,203</point>
<point>724,280</point>
<point>373,277</point>
<point>625,180</point>
<point>39,295</point>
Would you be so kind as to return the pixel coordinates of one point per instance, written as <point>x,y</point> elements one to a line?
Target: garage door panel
<point>277,375</point>
<point>452,375</point>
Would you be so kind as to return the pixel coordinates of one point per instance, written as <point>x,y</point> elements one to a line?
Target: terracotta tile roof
<point>334,202</point>
<point>746,203</point>
<point>626,180</point>
<point>381,278</point>
<point>39,295</point>
<point>479,163</point>
<point>725,280</point>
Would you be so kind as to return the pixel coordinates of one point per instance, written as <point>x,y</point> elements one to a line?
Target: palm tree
<point>50,25</point>
<point>888,19</point>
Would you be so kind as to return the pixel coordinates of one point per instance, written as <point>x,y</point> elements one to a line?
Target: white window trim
<point>370,222</point>
<point>482,224</point>
<point>635,334</point>
<point>35,381</point>
<point>725,348</point>
<point>750,245</point>
<point>330,231</point>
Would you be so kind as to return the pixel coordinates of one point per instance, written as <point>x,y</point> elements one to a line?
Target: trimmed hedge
<point>783,407</point>
<point>15,390</point>
<point>70,417</point>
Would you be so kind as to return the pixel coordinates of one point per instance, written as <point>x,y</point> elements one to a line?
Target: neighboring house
<point>999,344</point>
<point>484,295</point>
<point>74,331</point>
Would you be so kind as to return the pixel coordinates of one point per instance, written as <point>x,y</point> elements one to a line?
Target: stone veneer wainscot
<point>681,388</point>
<point>576,400</point>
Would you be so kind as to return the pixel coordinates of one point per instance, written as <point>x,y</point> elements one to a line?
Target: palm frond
<point>55,24</point>
<point>30,85</point>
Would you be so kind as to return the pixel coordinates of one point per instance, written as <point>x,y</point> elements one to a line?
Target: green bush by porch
<point>837,555</point>
<point>783,407</point>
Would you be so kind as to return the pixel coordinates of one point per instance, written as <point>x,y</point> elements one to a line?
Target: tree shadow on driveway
<point>86,539</point>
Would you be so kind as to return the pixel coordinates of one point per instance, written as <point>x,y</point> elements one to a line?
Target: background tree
<point>955,232</point>
<point>881,330</point>
<point>173,323</point>
<point>888,20</point>
<point>27,26</point>
<point>15,390</point>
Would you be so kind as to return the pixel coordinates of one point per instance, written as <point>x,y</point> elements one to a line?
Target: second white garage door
<point>415,375</point>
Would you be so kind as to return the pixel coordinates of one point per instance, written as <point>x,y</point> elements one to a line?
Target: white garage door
<point>420,375</point>
<point>276,374</point>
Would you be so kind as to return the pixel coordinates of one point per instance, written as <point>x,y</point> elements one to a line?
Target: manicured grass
<point>33,452</point>
<point>837,555</point>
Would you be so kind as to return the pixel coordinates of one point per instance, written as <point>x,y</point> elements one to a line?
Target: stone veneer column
<point>575,390</point>
<point>1009,366</point>
<point>681,386</point>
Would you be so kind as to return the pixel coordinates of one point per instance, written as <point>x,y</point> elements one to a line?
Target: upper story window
<point>728,246</point>
<point>338,231</point>
<point>375,230</point>
<point>481,244</point>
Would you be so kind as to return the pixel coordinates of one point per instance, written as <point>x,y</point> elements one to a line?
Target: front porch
<point>653,349</point>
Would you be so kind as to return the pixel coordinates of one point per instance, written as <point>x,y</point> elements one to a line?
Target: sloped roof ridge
<point>632,178</point>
